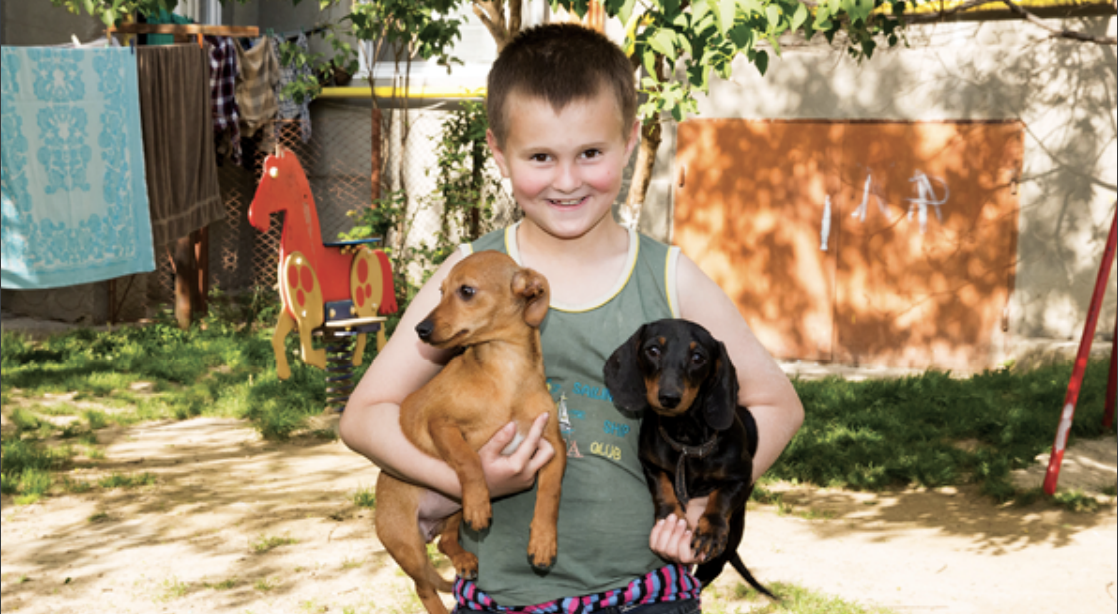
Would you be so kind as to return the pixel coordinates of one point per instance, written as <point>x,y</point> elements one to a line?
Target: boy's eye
<point>592,153</point>
<point>539,157</point>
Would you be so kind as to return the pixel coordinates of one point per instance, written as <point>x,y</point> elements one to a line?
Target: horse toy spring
<point>332,289</point>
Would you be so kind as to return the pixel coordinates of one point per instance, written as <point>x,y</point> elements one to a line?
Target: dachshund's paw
<point>709,539</point>
<point>477,516</point>
<point>465,565</point>
<point>667,511</point>
<point>542,549</point>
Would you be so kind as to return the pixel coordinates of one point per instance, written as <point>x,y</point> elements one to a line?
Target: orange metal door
<point>864,242</point>
<point>928,243</point>
<point>750,204</point>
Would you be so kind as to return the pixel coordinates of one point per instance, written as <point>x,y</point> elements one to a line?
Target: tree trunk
<point>651,136</point>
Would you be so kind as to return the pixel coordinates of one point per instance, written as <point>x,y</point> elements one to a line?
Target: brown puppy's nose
<point>424,329</point>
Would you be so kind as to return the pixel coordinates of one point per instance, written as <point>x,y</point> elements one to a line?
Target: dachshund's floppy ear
<point>534,289</point>
<point>720,397</point>
<point>623,375</point>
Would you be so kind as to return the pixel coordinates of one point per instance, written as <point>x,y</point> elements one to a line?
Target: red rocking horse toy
<point>332,289</point>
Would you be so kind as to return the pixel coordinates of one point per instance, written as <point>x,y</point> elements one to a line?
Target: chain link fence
<point>337,157</point>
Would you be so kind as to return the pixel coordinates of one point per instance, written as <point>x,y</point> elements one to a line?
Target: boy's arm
<point>764,388</point>
<point>370,424</point>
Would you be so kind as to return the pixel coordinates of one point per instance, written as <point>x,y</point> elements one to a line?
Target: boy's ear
<point>498,155</point>
<point>634,138</point>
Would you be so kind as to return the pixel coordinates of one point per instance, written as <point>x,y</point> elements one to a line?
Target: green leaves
<point>800,16</point>
<point>727,9</point>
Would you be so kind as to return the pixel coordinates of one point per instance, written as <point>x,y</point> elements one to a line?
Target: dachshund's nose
<point>669,400</point>
<point>424,329</point>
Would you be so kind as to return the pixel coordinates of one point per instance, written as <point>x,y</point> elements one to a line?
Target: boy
<point>562,112</point>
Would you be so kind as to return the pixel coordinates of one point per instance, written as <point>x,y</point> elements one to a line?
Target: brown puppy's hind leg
<point>465,563</point>
<point>397,525</point>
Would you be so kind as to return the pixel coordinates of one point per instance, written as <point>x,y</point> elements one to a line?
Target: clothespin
<point>74,39</point>
<point>132,44</point>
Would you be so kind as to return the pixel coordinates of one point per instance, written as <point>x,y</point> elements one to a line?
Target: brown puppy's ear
<point>623,375</point>
<point>720,397</point>
<point>533,288</point>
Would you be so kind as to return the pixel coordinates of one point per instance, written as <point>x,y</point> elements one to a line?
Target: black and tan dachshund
<point>697,441</point>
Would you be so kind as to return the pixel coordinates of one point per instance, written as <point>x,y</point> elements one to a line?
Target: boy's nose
<point>566,178</point>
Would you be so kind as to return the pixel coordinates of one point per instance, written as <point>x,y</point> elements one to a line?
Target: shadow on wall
<point>1064,94</point>
<point>869,242</point>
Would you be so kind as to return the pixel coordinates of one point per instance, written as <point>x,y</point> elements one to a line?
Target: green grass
<point>799,600</point>
<point>224,585</point>
<point>880,434</point>
<point>365,497</point>
<point>220,369</point>
<point>264,543</point>
<point>1076,501</point>
<point>173,588</point>
<point>118,480</point>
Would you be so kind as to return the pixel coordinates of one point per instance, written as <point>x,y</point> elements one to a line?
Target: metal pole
<point>1076,382</point>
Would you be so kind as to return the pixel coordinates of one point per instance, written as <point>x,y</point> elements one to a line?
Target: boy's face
<point>566,167</point>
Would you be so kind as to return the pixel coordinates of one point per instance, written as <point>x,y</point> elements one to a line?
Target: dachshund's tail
<point>737,564</point>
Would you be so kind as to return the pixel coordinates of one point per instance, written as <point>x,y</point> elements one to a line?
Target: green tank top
<point>605,513</point>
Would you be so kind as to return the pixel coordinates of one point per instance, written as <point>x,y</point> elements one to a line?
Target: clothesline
<point>197,30</point>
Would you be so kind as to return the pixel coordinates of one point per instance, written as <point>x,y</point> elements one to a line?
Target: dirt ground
<point>193,541</point>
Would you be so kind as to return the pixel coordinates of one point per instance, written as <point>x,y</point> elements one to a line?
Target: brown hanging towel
<point>179,152</point>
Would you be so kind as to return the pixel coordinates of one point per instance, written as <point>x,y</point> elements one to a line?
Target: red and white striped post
<point>1111,382</point>
<point>1076,382</point>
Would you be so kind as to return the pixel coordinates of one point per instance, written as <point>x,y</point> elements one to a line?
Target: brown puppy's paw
<point>465,565</point>
<point>477,515</point>
<point>710,538</point>
<point>542,549</point>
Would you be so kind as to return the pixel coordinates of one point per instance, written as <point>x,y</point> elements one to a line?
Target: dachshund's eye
<point>698,359</point>
<point>467,292</point>
<point>653,351</point>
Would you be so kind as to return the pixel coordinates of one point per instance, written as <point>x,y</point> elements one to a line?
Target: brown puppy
<point>491,310</point>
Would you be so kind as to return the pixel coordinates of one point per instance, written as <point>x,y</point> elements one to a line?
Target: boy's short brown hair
<point>560,63</point>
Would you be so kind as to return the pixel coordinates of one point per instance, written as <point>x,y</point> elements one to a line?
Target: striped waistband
<point>669,583</point>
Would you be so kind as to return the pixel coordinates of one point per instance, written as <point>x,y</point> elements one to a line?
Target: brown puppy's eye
<point>467,292</point>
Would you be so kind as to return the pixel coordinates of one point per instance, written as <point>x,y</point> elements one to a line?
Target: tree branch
<point>1058,32</point>
<point>492,14</point>
<point>516,8</point>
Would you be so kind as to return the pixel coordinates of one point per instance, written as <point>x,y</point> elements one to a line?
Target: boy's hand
<point>671,536</point>
<point>516,472</point>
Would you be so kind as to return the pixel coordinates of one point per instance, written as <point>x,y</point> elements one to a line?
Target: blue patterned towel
<point>74,198</point>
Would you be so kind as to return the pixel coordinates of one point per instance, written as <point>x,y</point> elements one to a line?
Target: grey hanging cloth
<point>181,163</point>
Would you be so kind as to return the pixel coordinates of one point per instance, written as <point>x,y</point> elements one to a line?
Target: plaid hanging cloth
<point>223,87</point>
<point>288,108</point>
<point>258,73</point>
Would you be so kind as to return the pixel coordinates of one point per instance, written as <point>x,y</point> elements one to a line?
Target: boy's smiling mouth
<point>570,202</point>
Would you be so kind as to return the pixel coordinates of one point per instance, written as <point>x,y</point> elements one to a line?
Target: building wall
<point>38,22</point>
<point>1063,91</point>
